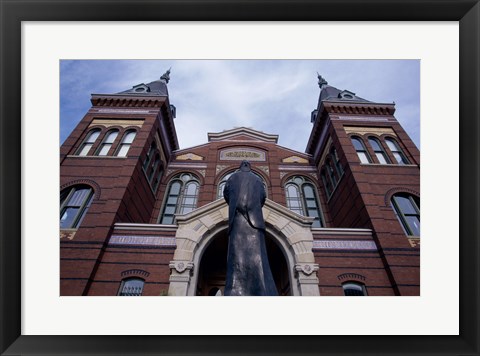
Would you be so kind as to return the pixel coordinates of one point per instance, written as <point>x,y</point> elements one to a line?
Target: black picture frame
<point>13,12</point>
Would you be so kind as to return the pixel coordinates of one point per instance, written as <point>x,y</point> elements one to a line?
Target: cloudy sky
<point>273,96</point>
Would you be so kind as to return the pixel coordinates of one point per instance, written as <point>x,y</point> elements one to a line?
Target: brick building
<point>140,216</point>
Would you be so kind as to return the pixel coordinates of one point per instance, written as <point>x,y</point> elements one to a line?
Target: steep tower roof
<point>157,87</point>
<point>327,92</point>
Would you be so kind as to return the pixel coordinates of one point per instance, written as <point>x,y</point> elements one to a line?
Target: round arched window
<point>181,198</point>
<point>302,198</point>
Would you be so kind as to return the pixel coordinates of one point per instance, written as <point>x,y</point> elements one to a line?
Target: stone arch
<point>197,229</point>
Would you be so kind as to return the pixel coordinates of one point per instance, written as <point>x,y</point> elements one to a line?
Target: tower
<point>111,166</point>
<point>370,172</point>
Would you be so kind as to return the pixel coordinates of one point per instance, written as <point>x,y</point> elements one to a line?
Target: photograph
<point>179,151</point>
<point>240,177</point>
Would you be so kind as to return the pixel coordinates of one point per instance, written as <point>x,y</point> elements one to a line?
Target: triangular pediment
<point>242,134</point>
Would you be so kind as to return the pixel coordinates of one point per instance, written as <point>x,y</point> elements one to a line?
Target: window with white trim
<point>74,204</point>
<point>124,146</point>
<point>302,199</point>
<point>181,198</point>
<point>362,152</point>
<point>379,151</point>
<point>88,143</point>
<point>396,151</point>
<point>407,209</point>
<point>107,143</point>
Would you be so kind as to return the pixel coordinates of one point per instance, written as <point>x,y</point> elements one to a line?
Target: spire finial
<point>321,81</point>
<point>166,76</point>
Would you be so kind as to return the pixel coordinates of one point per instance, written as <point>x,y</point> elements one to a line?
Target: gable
<point>242,134</point>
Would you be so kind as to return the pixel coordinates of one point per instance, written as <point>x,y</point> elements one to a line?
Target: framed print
<point>39,317</point>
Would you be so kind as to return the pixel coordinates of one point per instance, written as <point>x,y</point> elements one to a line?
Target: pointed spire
<point>166,76</point>
<point>321,81</point>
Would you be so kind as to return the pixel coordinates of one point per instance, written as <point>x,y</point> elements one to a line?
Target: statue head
<point>245,166</point>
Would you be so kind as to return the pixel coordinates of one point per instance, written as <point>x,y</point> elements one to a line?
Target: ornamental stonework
<point>142,240</point>
<point>189,157</point>
<point>67,234</point>
<point>343,245</point>
<point>414,241</point>
<point>369,130</point>
<point>240,154</point>
<point>294,159</point>
<point>264,169</point>
<point>112,122</point>
<point>221,167</point>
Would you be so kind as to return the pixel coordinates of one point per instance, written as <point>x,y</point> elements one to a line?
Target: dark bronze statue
<point>248,271</point>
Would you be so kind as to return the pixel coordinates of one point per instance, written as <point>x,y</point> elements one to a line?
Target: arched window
<point>181,198</point>
<point>407,209</point>
<point>88,142</point>
<point>396,151</point>
<point>379,151</point>
<point>131,287</point>
<point>354,289</point>
<point>361,150</point>
<point>127,140</point>
<point>302,199</point>
<point>107,143</point>
<point>74,203</point>
<point>224,179</point>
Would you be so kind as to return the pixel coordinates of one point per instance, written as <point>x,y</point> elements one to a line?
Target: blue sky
<point>273,96</point>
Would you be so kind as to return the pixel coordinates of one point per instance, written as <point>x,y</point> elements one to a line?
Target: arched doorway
<point>213,267</point>
<point>202,236</point>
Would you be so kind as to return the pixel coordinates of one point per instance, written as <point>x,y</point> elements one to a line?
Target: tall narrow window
<point>88,142</point>
<point>158,178</point>
<point>132,287</point>
<point>331,173</point>
<point>379,151</point>
<point>107,143</point>
<point>336,159</point>
<point>326,183</point>
<point>294,199</point>
<point>181,198</point>
<point>302,199</point>
<point>361,150</point>
<point>127,140</point>
<point>396,151</point>
<point>354,289</point>
<point>74,203</point>
<point>149,156</point>
<point>153,168</point>
<point>189,197</point>
<point>407,209</point>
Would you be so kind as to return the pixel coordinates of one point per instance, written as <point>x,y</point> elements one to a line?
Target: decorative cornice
<point>144,101</point>
<point>358,108</point>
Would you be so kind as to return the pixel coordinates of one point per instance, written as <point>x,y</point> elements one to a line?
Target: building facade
<point>140,216</point>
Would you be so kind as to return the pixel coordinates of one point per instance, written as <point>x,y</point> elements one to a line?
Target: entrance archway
<point>199,262</point>
<point>213,266</point>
